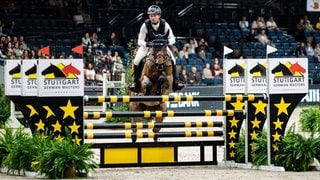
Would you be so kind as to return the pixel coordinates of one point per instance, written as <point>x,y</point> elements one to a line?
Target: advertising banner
<point>234,73</point>
<point>256,75</point>
<point>288,75</point>
<point>12,74</point>
<point>29,77</point>
<point>60,77</point>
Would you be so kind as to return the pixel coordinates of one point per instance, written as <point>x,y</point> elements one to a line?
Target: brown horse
<point>156,79</point>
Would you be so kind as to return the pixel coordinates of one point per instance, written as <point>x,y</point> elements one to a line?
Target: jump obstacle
<point>56,102</point>
<point>160,153</point>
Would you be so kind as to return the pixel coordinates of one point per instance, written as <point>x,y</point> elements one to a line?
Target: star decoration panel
<point>53,114</point>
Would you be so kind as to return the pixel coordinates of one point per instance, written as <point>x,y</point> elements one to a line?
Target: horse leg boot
<point>175,83</point>
<point>135,86</point>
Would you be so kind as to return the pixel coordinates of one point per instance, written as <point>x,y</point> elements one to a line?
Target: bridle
<point>164,59</point>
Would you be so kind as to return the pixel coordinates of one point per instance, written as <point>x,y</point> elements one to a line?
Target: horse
<point>237,69</point>
<point>156,79</point>
<point>259,68</point>
<point>53,69</point>
<point>281,68</point>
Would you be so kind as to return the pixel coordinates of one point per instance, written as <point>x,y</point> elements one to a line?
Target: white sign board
<point>60,77</point>
<point>234,75</point>
<point>313,5</point>
<point>12,76</point>
<point>29,77</point>
<point>256,75</point>
<point>288,75</point>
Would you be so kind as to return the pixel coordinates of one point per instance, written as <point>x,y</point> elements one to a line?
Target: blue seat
<point>283,39</point>
<point>277,45</point>
<point>193,56</point>
<point>211,50</point>
<point>291,39</point>
<point>285,45</point>
<point>271,33</point>
<point>317,39</point>
<point>236,32</point>
<point>280,33</point>
<point>294,45</point>
<point>260,46</point>
<point>188,68</point>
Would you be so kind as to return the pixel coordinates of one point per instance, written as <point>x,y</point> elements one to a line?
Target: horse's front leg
<point>161,80</point>
<point>168,86</point>
<point>146,85</point>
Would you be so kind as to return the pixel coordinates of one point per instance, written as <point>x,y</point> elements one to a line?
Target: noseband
<point>160,60</point>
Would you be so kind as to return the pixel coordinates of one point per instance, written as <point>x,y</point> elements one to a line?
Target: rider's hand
<point>149,44</point>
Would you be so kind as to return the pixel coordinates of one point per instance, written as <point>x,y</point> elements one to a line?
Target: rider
<point>152,26</point>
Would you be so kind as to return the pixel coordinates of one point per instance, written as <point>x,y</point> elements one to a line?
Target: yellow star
<point>278,124</point>
<point>253,154</point>
<point>69,110</point>
<point>255,123</point>
<point>232,134</point>
<point>238,105</point>
<point>254,135</point>
<point>59,138</point>
<point>74,127</point>
<point>253,145</point>
<point>276,136</point>
<point>232,154</point>
<point>40,125</point>
<point>260,107</point>
<point>282,106</point>
<point>43,136</point>
<point>49,111</point>
<point>234,122</point>
<point>275,148</point>
<point>57,126</point>
<point>33,111</point>
<point>77,140</point>
<point>232,144</point>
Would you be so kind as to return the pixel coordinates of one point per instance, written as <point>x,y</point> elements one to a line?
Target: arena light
<point>136,19</point>
<point>113,20</point>
<point>185,10</point>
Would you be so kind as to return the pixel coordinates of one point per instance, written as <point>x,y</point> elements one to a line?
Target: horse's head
<point>32,70</point>
<point>236,68</point>
<point>48,70</point>
<point>70,69</point>
<point>296,67</point>
<point>161,58</point>
<point>16,69</point>
<point>280,67</point>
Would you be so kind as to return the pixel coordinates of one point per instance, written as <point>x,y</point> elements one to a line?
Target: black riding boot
<point>175,83</point>
<point>135,86</point>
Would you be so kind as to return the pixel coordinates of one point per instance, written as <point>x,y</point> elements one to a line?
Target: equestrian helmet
<point>154,9</point>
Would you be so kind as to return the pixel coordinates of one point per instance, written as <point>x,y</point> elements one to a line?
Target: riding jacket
<point>149,30</point>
